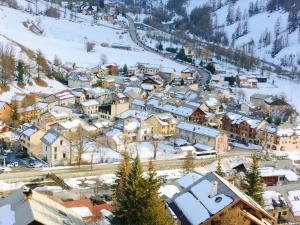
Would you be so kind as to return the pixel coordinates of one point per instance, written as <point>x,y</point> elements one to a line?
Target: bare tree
<point>156,139</point>
<point>7,64</point>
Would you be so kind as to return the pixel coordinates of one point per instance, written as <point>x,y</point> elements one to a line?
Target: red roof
<point>95,209</point>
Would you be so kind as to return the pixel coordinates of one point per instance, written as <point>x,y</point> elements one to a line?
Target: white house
<point>90,107</point>
<point>56,149</point>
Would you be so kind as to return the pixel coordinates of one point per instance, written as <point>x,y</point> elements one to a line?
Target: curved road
<point>204,75</point>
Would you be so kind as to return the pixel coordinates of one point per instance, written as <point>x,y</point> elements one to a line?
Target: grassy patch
<point>40,82</point>
<point>30,83</point>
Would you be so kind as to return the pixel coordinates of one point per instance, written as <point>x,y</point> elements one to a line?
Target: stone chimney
<point>27,193</point>
<point>214,189</point>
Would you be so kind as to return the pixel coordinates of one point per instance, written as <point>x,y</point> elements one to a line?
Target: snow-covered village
<point>149,112</point>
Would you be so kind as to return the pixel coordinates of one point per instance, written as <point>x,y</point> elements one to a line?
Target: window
<point>61,142</point>
<point>64,155</point>
<point>55,156</point>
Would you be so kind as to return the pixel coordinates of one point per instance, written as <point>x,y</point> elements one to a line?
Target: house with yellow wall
<point>5,112</point>
<point>163,124</point>
<point>31,141</point>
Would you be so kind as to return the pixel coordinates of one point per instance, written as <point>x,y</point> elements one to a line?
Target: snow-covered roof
<point>50,137</point>
<point>60,112</point>
<point>192,209</point>
<point>294,198</point>
<point>237,119</point>
<point>171,108</point>
<point>201,147</point>
<point>75,123</point>
<point>271,171</point>
<point>66,94</point>
<point>165,119</point>
<point>139,102</point>
<point>91,102</point>
<point>207,196</point>
<point>188,179</point>
<point>148,87</point>
<point>82,211</point>
<point>272,197</point>
<point>30,131</point>
<point>135,114</point>
<point>168,190</point>
<point>198,129</point>
<point>203,192</point>
<point>81,77</point>
<point>211,102</point>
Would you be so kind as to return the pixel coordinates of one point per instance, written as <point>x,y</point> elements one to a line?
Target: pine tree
<point>253,182</point>
<point>122,176</point>
<point>14,120</point>
<point>21,71</point>
<point>219,170</point>
<point>188,164</point>
<point>155,210</point>
<point>138,201</point>
<point>130,204</point>
<point>125,69</point>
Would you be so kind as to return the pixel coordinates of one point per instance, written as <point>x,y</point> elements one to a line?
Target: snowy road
<point>204,75</point>
<point>100,169</point>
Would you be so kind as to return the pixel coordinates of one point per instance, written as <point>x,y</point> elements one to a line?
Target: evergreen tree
<point>210,67</point>
<point>21,71</point>
<point>219,170</point>
<point>121,176</point>
<point>138,202</point>
<point>125,69</point>
<point>14,119</point>
<point>155,210</point>
<point>188,164</point>
<point>253,182</point>
<point>130,204</point>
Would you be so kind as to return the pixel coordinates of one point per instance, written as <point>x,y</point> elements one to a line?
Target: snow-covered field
<point>282,86</point>
<point>66,39</point>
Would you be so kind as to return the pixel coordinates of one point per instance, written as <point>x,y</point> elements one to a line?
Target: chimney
<point>27,192</point>
<point>214,189</point>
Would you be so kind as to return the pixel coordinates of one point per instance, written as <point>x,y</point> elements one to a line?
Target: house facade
<point>90,107</point>
<point>31,141</point>
<point>163,124</point>
<point>241,128</point>
<point>56,149</point>
<point>206,136</point>
<point>285,137</point>
<point>5,112</point>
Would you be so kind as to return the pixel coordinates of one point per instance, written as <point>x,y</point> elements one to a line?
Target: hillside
<point>272,35</point>
<point>65,38</point>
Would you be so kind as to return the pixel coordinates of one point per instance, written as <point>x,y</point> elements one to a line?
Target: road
<point>38,174</point>
<point>204,75</point>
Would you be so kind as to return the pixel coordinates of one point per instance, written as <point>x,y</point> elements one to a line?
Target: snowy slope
<point>257,24</point>
<point>66,40</point>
